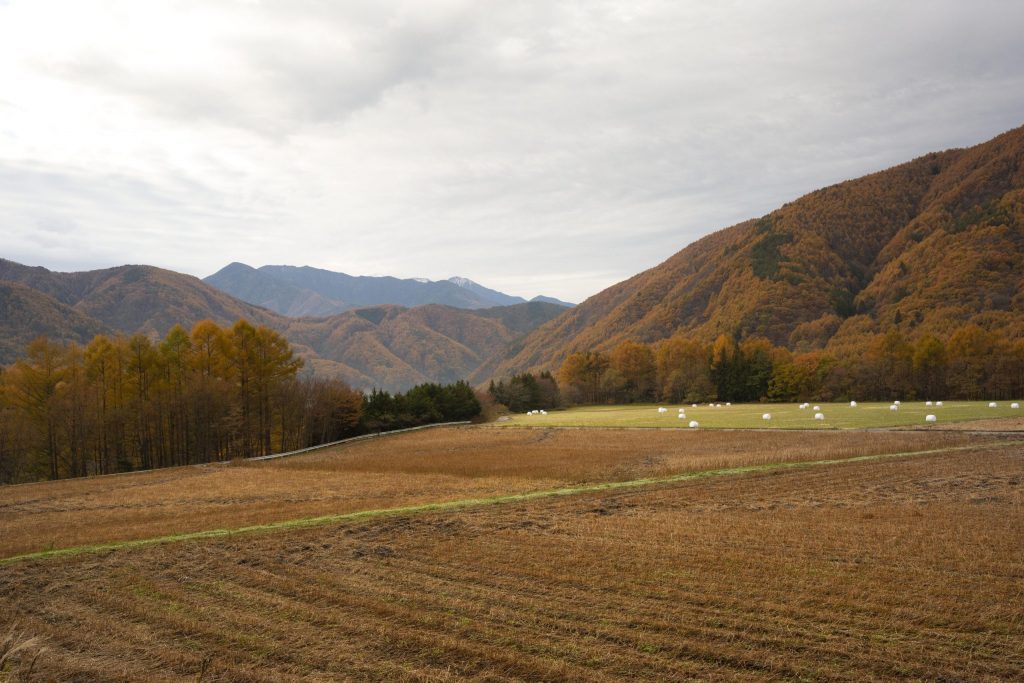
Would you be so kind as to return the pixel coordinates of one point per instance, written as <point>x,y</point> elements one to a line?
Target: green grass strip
<point>308,522</point>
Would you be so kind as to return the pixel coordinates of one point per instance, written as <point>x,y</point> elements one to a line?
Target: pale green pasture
<point>783,415</point>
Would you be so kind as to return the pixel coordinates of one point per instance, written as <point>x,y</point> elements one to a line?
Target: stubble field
<point>896,569</point>
<point>437,466</point>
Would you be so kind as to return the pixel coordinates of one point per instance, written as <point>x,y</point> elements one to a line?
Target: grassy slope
<point>783,416</point>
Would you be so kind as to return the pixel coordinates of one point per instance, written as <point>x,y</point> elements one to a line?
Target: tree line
<point>971,363</point>
<point>215,393</point>
<point>423,404</point>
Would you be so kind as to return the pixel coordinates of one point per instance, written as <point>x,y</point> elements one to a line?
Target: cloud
<point>538,146</point>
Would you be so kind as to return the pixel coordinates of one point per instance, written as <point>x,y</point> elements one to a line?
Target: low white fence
<point>357,438</point>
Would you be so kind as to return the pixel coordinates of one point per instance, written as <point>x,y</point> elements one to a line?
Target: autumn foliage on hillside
<point>971,363</point>
<point>135,298</point>
<point>923,248</point>
<point>395,348</point>
<point>26,314</point>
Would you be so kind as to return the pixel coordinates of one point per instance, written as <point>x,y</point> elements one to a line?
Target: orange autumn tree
<point>129,403</point>
<point>972,363</point>
<point>631,373</point>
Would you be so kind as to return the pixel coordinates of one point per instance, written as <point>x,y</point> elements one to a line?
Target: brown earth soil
<point>898,569</point>
<point>997,424</point>
<point>432,466</point>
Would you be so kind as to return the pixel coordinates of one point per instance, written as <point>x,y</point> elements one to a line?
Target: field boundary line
<point>221,463</point>
<point>309,522</point>
<point>361,437</point>
<point>807,430</point>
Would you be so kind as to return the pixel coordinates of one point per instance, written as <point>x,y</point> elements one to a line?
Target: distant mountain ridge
<point>924,247</point>
<point>491,295</point>
<point>389,347</point>
<point>553,300</point>
<point>297,291</point>
<point>136,298</point>
<point>393,348</point>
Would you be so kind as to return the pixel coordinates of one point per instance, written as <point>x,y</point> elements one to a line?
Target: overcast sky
<point>534,146</point>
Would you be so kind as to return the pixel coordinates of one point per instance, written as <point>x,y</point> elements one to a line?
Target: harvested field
<point>908,568</point>
<point>432,466</point>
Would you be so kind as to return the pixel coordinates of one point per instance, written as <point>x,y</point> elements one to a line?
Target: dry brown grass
<point>430,466</point>
<point>18,656</point>
<point>909,569</point>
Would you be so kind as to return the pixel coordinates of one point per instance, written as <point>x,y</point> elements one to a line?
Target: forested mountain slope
<point>26,314</point>
<point>390,347</point>
<point>262,289</point>
<point>137,298</point>
<point>925,246</point>
<point>394,348</point>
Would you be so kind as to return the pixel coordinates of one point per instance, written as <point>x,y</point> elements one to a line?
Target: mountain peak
<point>232,268</point>
<point>552,300</point>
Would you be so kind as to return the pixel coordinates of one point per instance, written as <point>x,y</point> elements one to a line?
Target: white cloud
<point>542,146</point>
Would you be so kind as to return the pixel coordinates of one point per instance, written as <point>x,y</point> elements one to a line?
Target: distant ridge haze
<point>299,291</point>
